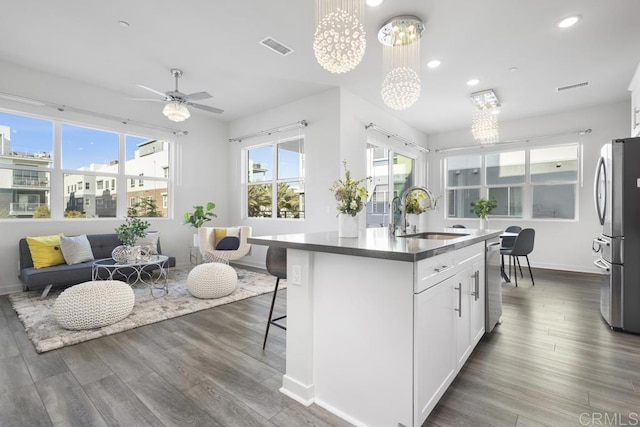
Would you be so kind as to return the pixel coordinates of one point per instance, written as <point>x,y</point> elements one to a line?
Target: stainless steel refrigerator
<point>617,200</point>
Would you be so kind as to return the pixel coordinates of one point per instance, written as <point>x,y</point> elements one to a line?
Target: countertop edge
<point>407,256</point>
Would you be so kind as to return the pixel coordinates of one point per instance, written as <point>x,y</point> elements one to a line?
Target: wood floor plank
<point>258,397</point>
<point>126,365</point>
<point>223,408</point>
<point>118,405</point>
<point>170,406</point>
<point>22,406</point>
<point>67,403</point>
<point>14,374</point>
<point>40,365</point>
<point>85,364</point>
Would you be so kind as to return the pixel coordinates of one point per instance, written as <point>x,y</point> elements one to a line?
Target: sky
<point>81,146</point>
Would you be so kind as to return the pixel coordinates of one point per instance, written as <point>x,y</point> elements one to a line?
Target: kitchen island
<point>378,326</point>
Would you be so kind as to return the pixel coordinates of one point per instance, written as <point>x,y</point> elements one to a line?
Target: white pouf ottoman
<point>94,304</point>
<point>212,280</point>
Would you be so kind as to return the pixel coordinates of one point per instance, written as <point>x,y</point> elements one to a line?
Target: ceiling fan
<point>177,101</point>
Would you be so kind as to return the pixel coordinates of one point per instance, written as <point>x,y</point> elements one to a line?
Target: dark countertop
<point>378,243</point>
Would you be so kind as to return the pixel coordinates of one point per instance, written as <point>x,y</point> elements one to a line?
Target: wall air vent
<point>574,86</point>
<point>276,46</point>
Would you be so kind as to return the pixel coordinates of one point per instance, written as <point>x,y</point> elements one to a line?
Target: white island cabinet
<point>379,326</point>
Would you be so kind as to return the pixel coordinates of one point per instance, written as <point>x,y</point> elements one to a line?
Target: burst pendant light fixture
<point>484,124</point>
<point>400,38</point>
<point>339,41</point>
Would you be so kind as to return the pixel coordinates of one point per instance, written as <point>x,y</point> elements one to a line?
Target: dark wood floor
<point>552,362</point>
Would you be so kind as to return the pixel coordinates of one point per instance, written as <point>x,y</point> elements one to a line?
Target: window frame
<point>527,187</point>
<point>275,180</point>
<point>58,191</point>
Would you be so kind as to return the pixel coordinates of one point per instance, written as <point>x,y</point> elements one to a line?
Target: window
<point>275,180</point>
<point>392,173</point>
<point>89,170</point>
<point>554,180</point>
<point>532,183</point>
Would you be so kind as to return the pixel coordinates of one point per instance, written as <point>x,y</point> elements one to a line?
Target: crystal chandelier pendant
<point>339,42</point>
<point>400,38</point>
<point>484,127</point>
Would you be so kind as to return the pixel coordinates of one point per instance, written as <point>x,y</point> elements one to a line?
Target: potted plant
<point>128,233</point>
<point>198,217</point>
<point>351,197</point>
<point>483,208</point>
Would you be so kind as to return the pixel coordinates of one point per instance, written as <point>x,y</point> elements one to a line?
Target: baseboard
<point>573,268</point>
<point>10,289</point>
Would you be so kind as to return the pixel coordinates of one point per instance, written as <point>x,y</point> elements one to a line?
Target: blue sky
<point>80,145</point>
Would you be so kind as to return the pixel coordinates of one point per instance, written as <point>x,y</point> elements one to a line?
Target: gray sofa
<point>66,275</point>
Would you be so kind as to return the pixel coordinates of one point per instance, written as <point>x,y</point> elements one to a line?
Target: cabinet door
<point>477,302</point>
<point>434,345</point>
<point>463,288</point>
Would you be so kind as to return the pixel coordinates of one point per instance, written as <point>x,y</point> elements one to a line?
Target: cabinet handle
<point>476,285</point>
<point>443,268</point>
<point>635,117</point>
<point>459,309</point>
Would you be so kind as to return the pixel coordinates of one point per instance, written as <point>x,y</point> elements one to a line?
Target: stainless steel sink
<point>435,235</point>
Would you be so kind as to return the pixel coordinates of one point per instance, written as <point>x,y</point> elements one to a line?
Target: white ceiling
<point>216,44</point>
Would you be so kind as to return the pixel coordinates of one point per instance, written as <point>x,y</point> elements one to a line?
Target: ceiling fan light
<point>176,111</point>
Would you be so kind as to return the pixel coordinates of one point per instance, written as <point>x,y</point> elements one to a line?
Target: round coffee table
<point>140,270</point>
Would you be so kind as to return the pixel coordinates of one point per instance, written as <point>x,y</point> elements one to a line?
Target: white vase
<point>484,224</point>
<point>196,240</point>
<point>348,225</point>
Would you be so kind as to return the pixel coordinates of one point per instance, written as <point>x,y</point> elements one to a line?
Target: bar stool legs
<point>272,321</point>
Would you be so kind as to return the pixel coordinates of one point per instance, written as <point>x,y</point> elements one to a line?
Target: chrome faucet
<point>403,203</point>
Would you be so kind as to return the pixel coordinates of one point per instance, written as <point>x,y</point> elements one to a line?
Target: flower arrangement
<point>414,203</point>
<point>350,194</point>
<point>483,207</point>
<point>131,230</point>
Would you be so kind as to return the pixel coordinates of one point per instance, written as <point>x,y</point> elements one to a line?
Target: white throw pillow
<point>150,240</point>
<point>76,249</point>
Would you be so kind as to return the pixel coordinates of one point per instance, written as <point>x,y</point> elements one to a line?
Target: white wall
<point>564,245</point>
<point>201,173</point>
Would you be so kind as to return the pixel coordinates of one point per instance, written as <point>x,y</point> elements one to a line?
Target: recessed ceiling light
<point>513,69</point>
<point>433,63</point>
<point>374,3</point>
<point>473,82</point>
<point>123,24</point>
<point>568,22</point>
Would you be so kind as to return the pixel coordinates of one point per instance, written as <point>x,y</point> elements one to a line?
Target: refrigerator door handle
<point>602,265</point>
<point>600,169</point>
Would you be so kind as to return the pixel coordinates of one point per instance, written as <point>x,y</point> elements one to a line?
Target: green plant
<point>200,215</point>
<point>414,203</point>
<point>131,230</point>
<point>350,195</point>
<point>42,211</point>
<point>483,207</point>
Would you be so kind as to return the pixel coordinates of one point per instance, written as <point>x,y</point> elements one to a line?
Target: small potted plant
<point>483,208</point>
<point>198,217</point>
<point>128,233</point>
<point>351,197</point>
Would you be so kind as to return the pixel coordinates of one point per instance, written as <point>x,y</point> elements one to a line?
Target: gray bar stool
<point>276,266</point>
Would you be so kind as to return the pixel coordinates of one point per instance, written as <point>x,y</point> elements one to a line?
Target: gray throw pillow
<point>150,241</point>
<point>76,249</point>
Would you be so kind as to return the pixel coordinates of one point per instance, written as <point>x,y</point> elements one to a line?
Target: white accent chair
<point>209,240</point>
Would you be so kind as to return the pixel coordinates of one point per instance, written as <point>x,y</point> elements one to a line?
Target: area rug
<point>46,334</point>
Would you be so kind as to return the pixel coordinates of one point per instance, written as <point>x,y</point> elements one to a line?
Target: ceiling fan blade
<point>164,95</point>
<point>205,108</point>
<point>198,96</point>
<point>147,99</point>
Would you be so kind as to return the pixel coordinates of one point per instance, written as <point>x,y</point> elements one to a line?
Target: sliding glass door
<point>392,173</point>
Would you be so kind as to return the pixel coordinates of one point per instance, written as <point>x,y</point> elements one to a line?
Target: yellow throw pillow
<point>219,234</point>
<point>45,250</point>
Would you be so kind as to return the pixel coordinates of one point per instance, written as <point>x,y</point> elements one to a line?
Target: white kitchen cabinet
<point>634,87</point>
<point>448,322</point>
<point>435,334</point>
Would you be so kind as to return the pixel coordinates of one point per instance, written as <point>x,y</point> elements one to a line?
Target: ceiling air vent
<point>574,86</point>
<point>276,46</point>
